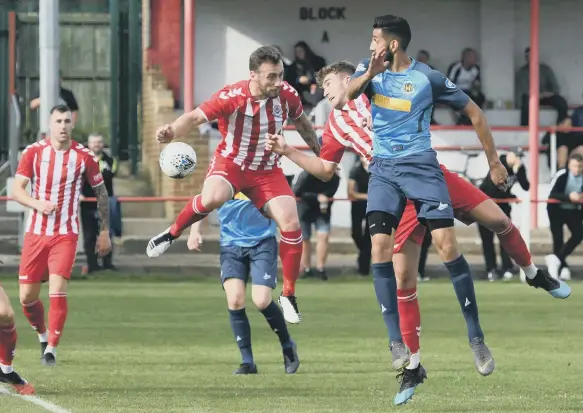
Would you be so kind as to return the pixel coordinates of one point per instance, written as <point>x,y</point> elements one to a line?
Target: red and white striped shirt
<point>343,130</point>
<point>57,177</point>
<point>244,121</point>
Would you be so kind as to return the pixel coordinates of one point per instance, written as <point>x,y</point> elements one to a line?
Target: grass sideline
<point>136,345</point>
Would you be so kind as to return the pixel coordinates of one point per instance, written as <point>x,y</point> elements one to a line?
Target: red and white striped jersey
<point>244,121</point>
<point>343,130</point>
<point>57,176</point>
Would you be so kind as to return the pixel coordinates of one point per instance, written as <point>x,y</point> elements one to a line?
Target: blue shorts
<point>259,262</point>
<point>417,177</point>
<point>321,222</point>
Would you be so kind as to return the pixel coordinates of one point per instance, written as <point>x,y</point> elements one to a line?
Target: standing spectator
<point>307,64</point>
<point>423,57</point>
<point>314,208</point>
<point>548,90</point>
<point>89,218</point>
<point>466,75</point>
<point>567,187</point>
<point>516,173</point>
<point>66,98</point>
<point>357,192</point>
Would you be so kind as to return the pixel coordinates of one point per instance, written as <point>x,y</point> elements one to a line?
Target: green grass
<point>167,347</point>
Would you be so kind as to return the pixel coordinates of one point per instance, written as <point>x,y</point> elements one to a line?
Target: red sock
<point>7,344</point>
<point>192,212</point>
<point>410,318</point>
<point>290,252</point>
<point>35,313</point>
<point>514,245</point>
<point>57,317</point>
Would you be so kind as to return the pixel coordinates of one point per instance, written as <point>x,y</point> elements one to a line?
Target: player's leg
<point>270,191</point>
<point>263,271</point>
<point>422,180</point>
<point>61,259</point>
<point>219,186</point>
<point>234,273</point>
<point>7,347</point>
<point>491,216</point>
<point>31,272</point>
<point>406,261</point>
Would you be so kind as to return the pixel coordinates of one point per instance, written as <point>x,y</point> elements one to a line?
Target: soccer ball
<point>178,160</point>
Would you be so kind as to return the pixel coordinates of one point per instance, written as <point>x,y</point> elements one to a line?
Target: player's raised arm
<point>313,165</point>
<point>306,130</point>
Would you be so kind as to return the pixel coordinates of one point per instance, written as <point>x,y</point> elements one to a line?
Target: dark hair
<point>263,55</point>
<point>60,109</point>
<point>336,67</point>
<point>576,157</point>
<point>394,26</point>
<point>425,52</point>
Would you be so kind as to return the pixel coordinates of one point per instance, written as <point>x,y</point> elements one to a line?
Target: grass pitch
<point>144,346</point>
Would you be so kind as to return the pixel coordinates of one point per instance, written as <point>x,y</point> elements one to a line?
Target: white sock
<point>6,369</point>
<point>414,361</point>
<point>51,349</point>
<point>43,338</point>
<point>530,271</point>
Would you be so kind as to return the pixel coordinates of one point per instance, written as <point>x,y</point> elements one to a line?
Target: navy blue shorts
<point>258,262</point>
<point>416,177</point>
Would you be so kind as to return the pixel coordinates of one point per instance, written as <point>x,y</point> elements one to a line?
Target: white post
<point>553,152</point>
<point>49,43</point>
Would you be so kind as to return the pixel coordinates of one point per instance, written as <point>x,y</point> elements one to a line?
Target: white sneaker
<point>565,274</point>
<point>159,244</point>
<point>492,276</point>
<point>508,276</point>
<point>290,310</point>
<point>553,265</point>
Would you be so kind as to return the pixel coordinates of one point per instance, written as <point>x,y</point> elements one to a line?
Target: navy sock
<point>242,331</point>
<point>275,319</point>
<point>461,277</point>
<point>385,287</point>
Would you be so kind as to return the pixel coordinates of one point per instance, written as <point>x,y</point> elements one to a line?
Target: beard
<point>389,56</point>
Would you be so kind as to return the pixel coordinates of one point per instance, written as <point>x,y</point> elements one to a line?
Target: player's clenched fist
<point>165,134</point>
<point>45,207</point>
<point>103,244</point>
<point>276,143</point>
<point>499,175</point>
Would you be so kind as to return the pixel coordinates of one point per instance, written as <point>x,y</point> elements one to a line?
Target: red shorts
<point>259,186</point>
<point>46,254</point>
<point>464,197</point>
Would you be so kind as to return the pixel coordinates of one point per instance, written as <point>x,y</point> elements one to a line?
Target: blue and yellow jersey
<point>401,107</point>
<point>242,224</point>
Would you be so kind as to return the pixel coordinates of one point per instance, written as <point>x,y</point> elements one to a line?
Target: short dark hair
<point>263,55</point>
<point>394,26</point>
<point>425,52</point>
<point>576,157</point>
<point>336,67</point>
<point>60,109</point>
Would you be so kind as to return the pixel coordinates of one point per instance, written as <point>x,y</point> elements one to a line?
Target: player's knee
<point>290,222</point>
<point>446,244</point>
<point>236,301</point>
<point>262,301</point>
<point>27,297</point>
<point>381,226</point>
<point>6,315</point>
<point>406,276</point>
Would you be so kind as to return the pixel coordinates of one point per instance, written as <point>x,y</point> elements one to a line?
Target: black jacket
<point>108,167</point>
<point>307,188</point>
<point>492,190</point>
<point>558,186</point>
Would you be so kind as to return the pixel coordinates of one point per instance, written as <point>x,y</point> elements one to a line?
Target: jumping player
<point>55,168</point>
<point>249,250</point>
<point>7,346</point>
<point>247,111</point>
<point>344,130</point>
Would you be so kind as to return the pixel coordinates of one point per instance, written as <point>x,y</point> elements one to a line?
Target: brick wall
<point>158,109</point>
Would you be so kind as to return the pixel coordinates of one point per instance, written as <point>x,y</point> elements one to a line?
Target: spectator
<point>567,187</point>
<point>314,208</point>
<point>516,172</point>
<point>307,64</point>
<point>423,57</point>
<point>466,75</point>
<point>567,143</point>
<point>108,167</point>
<point>66,98</point>
<point>357,192</point>
<point>548,90</point>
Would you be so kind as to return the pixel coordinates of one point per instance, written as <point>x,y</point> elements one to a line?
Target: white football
<point>178,160</point>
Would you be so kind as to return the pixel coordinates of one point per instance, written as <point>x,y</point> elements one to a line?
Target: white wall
<point>227,31</point>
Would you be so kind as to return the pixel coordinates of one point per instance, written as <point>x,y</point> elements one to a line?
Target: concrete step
<point>9,224</point>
